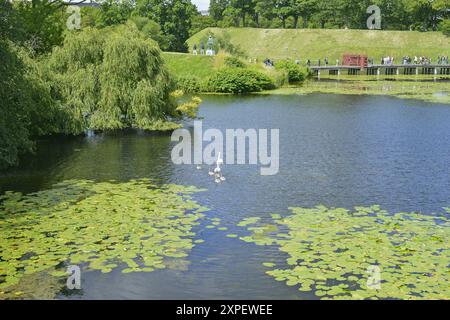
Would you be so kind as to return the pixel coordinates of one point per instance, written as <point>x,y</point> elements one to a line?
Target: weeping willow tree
<point>112,78</point>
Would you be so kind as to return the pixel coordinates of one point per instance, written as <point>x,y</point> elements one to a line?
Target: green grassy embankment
<point>188,65</point>
<point>331,43</point>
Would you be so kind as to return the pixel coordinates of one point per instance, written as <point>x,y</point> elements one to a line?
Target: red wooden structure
<point>354,60</point>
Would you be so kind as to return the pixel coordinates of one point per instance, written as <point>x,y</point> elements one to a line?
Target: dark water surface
<point>336,150</point>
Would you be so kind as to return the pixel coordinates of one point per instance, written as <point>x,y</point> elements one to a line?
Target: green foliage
<point>188,84</point>
<point>421,15</point>
<point>136,226</point>
<point>294,72</point>
<point>113,12</point>
<point>9,21</point>
<point>332,250</point>
<point>238,80</point>
<point>151,29</point>
<point>41,24</point>
<point>190,108</point>
<point>111,78</point>
<point>200,22</point>
<point>14,107</point>
<point>90,16</point>
<point>445,27</point>
<point>234,62</point>
<point>26,107</point>
<point>174,17</point>
<point>222,42</point>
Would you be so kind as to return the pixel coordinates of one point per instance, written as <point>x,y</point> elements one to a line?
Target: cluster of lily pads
<point>332,251</point>
<point>135,225</point>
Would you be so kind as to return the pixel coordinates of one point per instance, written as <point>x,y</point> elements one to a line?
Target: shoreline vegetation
<point>287,47</point>
<point>292,48</point>
<point>436,92</point>
<point>195,71</point>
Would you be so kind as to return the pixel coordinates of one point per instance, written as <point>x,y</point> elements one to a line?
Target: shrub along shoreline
<point>227,74</point>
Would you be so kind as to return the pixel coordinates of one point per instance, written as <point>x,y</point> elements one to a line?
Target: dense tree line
<point>168,21</point>
<point>421,15</point>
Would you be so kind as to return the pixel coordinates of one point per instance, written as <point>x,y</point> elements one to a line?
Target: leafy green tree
<point>304,9</point>
<point>89,16</point>
<point>445,27</point>
<point>200,22</point>
<point>151,29</point>
<point>231,17</point>
<point>114,12</point>
<point>216,9</point>
<point>25,103</point>
<point>174,17</point>
<point>14,134</point>
<point>265,9</point>
<point>111,78</point>
<point>9,21</point>
<point>394,14</point>
<point>42,23</point>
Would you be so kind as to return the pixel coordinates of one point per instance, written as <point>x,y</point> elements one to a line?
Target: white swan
<point>219,162</point>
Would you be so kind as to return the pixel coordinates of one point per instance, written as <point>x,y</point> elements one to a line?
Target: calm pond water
<point>336,150</point>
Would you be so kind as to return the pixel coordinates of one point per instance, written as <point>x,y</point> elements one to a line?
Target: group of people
<point>208,52</point>
<point>202,49</point>
<point>270,63</point>
<point>442,60</point>
<point>384,60</point>
<point>326,62</point>
<point>424,60</point>
<point>387,60</point>
<point>415,60</point>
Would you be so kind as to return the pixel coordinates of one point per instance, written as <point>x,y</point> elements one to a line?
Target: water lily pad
<point>134,224</point>
<point>268,264</point>
<point>341,251</point>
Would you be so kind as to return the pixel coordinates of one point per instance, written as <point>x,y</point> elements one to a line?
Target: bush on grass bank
<point>238,80</point>
<point>444,26</point>
<point>294,72</point>
<point>188,84</point>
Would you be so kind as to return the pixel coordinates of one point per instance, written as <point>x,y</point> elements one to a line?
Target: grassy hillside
<point>318,43</point>
<point>188,65</point>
